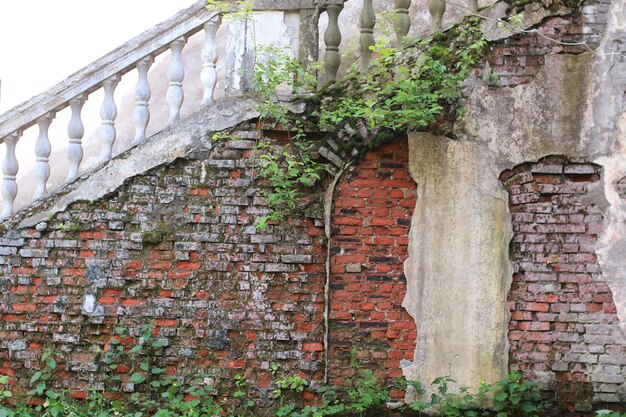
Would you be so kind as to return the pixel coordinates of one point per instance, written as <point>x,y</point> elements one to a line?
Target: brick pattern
<point>517,59</point>
<point>564,327</point>
<point>178,246</point>
<point>371,219</point>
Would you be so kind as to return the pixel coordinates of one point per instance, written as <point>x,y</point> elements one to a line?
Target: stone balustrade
<point>141,52</point>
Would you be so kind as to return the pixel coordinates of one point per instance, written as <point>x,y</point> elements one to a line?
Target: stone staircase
<point>223,69</point>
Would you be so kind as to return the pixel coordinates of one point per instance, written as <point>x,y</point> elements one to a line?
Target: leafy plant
<point>514,397</point>
<point>287,172</point>
<point>366,393</point>
<point>509,397</point>
<point>233,10</point>
<point>402,90</point>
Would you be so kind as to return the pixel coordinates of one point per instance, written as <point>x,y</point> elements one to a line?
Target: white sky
<point>44,41</point>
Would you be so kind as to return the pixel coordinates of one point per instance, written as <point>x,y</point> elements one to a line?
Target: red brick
<point>543,307</point>
<point>312,347</point>
<point>378,221</point>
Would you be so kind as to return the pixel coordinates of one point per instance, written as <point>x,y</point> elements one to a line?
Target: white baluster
<point>402,22</point>
<point>332,38</point>
<point>209,59</point>
<point>75,132</point>
<point>176,74</point>
<point>142,97</point>
<point>108,113</point>
<point>437,8</point>
<point>42,153</point>
<point>10,167</point>
<point>368,21</point>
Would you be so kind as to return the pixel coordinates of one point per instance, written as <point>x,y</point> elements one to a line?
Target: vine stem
<point>328,215</point>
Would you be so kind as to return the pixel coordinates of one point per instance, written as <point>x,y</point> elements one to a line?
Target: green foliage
<point>232,10</point>
<point>401,90</point>
<point>508,397</point>
<point>167,396</point>
<point>287,171</point>
<point>512,397</point>
<point>366,393</point>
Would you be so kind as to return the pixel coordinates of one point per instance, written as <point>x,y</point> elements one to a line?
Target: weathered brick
<point>296,259</point>
<point>555,252</point>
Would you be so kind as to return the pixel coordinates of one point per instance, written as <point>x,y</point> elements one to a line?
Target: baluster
<point>402,22</point>
<point>75,132</point>
<point>108,113</point>
<point>142,97</point>
<point>208,74</point>
<point>10,167</point>
<point>473,5</point>
<point>42,153</point>
<point>436,8</point>
<point>368,21</point>
<point>332,38</point>
<point>176,74</point>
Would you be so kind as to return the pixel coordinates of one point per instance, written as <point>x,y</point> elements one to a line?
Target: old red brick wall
<point>563,325</point>
<point>372,214</point>
<point>518,59</point>
<point>177,246</point>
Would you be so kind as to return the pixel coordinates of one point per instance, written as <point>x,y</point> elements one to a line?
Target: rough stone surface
<point>457,271</point>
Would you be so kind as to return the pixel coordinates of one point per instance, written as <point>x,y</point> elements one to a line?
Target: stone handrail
<point>104,73</point>
<point>117,62</point>
<point>140,52</point>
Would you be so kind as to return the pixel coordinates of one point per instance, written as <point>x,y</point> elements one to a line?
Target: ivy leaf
<point>40,388</point>
<point>137,378</point>
<point>159,343</point>
<point>36,376</point>
<point>157,371</point>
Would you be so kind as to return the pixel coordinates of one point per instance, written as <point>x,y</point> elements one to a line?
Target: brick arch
<point>564,330</point>
<point>372,213</point>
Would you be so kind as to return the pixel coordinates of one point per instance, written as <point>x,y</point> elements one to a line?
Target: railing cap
<point>123,59</point>
<point>118,61</point>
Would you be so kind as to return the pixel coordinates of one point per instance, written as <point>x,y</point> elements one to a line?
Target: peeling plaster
<point>458,264</point>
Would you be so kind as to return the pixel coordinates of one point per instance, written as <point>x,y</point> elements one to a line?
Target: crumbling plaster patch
<point>458,265</point>
<point>605,119</point>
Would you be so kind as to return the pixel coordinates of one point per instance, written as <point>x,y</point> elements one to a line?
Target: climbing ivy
<point>416,87</point>
<point>408,89</point>
<point>403,89</point>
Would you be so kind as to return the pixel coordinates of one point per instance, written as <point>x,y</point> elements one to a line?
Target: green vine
<point>402,90</point>
<point>414,88</point>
